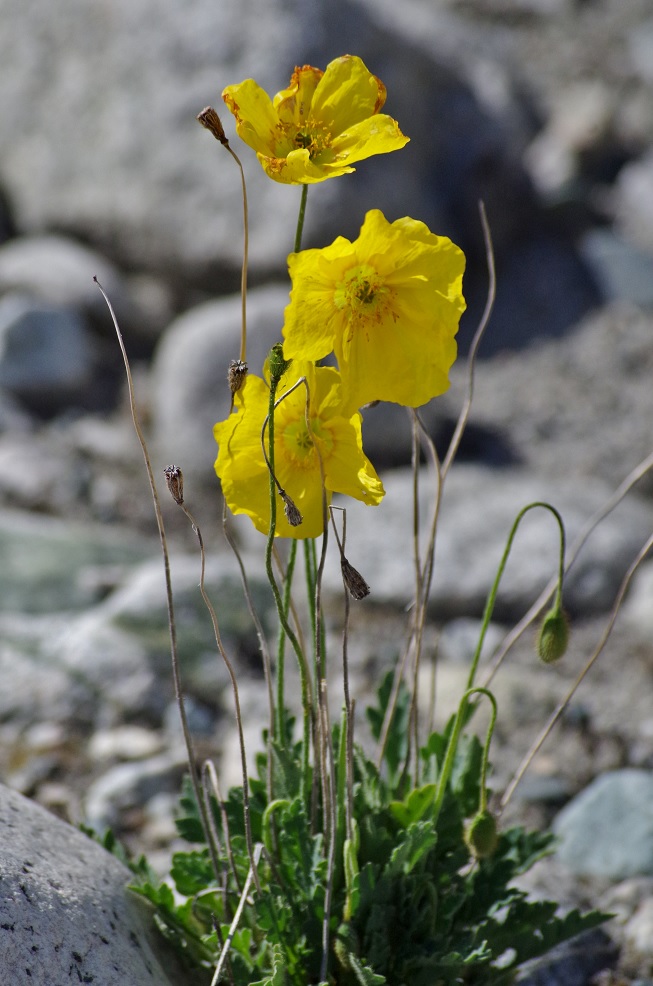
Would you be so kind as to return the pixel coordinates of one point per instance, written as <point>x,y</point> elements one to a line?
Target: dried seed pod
<point>175,483</point>
<point>236,375</point>
<point>211,121</point>
<point>354,581</point>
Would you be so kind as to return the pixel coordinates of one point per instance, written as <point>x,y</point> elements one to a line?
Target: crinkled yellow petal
<point>347,94</point>
<point>297,168</point>
<point>375,135</point>
<point>319,125</point>
<point>312,319</point>
<point>402,363</point>
<point>293,105</point>
<point>349,470</point>
<point>257,122</point>
<point>241,466</point>
<point>388,304</point>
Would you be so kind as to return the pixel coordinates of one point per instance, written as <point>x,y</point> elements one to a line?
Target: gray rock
<point>46,356</point>
<point>478,509</point>
<point>171,200</point>
<point>139,608</point>
<point>45,561</point>
<point>623,272</point>
<point>633,201</point>
<point>578,406</point>
<point>65,913</point>
<point>128,785</point>
<point>637,611</point>
<point>58,271</point>
<point>607,830</point>
<point>179,194</point>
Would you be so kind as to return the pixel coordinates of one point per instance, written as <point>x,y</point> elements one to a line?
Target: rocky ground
<point>542,107</point>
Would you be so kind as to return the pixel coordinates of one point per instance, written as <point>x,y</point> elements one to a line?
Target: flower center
<point>313,138</point>
<point>362,291</point>
<point>298,444</point>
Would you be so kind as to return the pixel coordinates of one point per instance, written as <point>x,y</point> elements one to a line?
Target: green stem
<point>452,746</point>
<point>300,219</point>
<point>281,612</point>
<point>489,606</point>
<point>281,650</point>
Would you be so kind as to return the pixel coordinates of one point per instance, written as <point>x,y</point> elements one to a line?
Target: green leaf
<point>416,841</point>
<point>192,872</point>
<point>278,976</point>
<point>414,806</point>
<point>364,975</point>
<point>189,823</point>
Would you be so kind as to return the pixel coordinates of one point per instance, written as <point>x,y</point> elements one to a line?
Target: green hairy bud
<point>481,835</point>
<point>553,637</point>
<point>277,362</point>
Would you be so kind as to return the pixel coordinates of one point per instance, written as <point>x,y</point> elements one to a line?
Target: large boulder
<point>100,139</point>
<point>65,912</point>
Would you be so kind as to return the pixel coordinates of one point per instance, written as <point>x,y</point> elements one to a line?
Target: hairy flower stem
<point>562,705</point>
<point>306,699</point>
<point>234,686</point>
<point>491,600</point>
<point>300,218</point>
<point>513,636</point>
<point>447,765</point>
<point>172,628</point>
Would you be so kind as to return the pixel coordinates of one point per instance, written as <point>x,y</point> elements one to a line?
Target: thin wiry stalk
<point>613,501</point>
<point>562,705</point>
<point>211,786</point>
<point>416,634</point>
<point>349,703</point>
<point>292,608</point>
<point>234,687</point>
<point>172,629</point>
<point>239,910</point>
<point>211,121</point>
<point>331,858</point>
<point>262,639</point>
<point>423,584</point>
<point>463,418</point>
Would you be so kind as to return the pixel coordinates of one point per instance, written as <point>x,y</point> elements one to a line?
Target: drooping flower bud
<point>175,483</point>
<point>553,636</point>
<point>481,834</point>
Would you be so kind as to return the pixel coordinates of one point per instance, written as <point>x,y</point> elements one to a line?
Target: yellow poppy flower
<point>387,304</point>
<point>319,126</point>
<point>241,465</point>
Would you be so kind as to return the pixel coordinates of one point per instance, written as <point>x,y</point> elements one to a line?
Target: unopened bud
<point>553,636</point>
<point>293,516</point>
<point>354,581</point>
<point>211,122</point>
<point>236,375</point>
<point>481,835</point>
<point>277,362</point>
<point>175,483</point>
